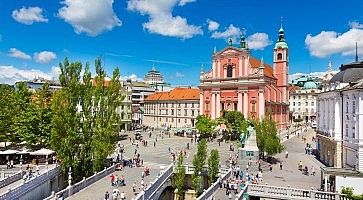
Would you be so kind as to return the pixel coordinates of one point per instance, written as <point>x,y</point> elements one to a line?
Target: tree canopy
<point>205,126</point>
<point>235,123</point>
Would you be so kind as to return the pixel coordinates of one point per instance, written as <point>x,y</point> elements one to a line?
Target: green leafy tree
<point>21,106</point>
<point>199,160</point>
<point>235,122</point>
<point>85,123</point>
<point>213,166</point>
<point>179,176</point>
<point>34,125</point>
<point>267,136</point>
<point>205,126</point>
<point>6,112</point>
<point>349,192</point>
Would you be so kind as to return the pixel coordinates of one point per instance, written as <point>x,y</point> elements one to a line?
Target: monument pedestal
<point>250,150</point>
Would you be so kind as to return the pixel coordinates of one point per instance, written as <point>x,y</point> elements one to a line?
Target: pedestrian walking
<point>107,196</point>
<point>286,154</point>
<point>122,195</point>
<point>270,167</point>
<point>280,165</point>
<point>134,187</point>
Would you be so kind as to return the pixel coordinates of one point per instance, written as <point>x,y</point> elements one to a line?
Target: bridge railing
<point>28,186</point>
<point>11,178</point>
<point>288,193</point>
<point>69,191</point>
<point>208,194</point>
<point>149,192</point>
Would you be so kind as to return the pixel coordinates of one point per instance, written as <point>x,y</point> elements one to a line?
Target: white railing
<point>287,193</point>
<point>11,178</point>
<point>153,188</point>
<point>208,194</point>
<point>28,186</point>
<point>69,191</point>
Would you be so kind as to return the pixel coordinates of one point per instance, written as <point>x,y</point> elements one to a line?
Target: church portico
<point>239,82</point>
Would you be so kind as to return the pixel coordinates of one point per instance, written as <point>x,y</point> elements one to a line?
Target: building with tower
<point>238,81</point>
<point>156,80</point>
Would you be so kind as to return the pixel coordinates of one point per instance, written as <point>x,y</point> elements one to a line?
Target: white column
<point>219,69</point>
<point>338,120</point>
<point>240,66</point>
<point>213,110</point>
<point>225,73</point>
<point>261,104</point>
<point>214,69</point>
<point>233,72</point>
<point>201,102</point>
<point>246,66</point>
<point>218,114</point>
<point>245,104</point>
<point>239,105</point>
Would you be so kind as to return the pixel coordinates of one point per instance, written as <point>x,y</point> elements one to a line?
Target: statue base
<point>247,154</point>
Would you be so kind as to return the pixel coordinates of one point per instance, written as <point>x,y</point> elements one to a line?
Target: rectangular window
<point>253,107</point>
<point>179,105</point>
<point>179,112</point>
<point>347,106</point>
<point>206,106</point>
<point>185,120</point>
<point>353,132</point>
<point>192,105</point>
<point>312,103</point>
<point>293,103</point>
<point>299,104</point>
<point>178,120</point>
<point>172,111</point>
<point>353,107</point>
<point>172,105</point>
<point>172,119</point>
<point>192,112</point>
<point>185,112</point>
<point>346,130</point>
<point>306,103</point>
<point>185,105</point>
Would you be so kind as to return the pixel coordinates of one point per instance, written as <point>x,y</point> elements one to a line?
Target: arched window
<point>229,71</point>
<point>279,56</point>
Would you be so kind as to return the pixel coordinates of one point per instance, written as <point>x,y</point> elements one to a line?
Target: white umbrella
<point>8,152</point>
<point>42,152</point>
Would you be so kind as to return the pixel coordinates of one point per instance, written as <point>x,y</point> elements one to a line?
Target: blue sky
<point>176,36</point>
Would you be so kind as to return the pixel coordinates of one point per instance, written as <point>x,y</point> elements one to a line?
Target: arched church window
<point>229,71</point>
<point>279,56</point>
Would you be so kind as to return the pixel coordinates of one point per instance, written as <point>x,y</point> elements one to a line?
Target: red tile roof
<point>175,94</point>
<point>268,71</point>
<point>293,88</point>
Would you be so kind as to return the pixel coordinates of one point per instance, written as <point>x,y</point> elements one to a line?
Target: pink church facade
<point>238,81</point>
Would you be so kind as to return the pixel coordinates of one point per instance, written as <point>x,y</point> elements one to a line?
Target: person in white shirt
<point>122,196</point>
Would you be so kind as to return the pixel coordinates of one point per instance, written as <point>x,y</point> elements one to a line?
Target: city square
<point>181,100</point>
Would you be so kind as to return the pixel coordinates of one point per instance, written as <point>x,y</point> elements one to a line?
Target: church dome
<point>349,73</point>
<point>310,84</point>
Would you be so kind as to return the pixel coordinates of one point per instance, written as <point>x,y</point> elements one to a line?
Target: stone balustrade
<point>73,189</point>
<point>289,193</point>
<point>208,194</point>
<point>10,178</point>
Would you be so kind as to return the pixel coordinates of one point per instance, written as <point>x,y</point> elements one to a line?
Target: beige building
<point>175,109</point>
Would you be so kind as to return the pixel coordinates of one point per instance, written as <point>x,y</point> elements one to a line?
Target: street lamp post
<point>70,177</point>
<point>21,162</point>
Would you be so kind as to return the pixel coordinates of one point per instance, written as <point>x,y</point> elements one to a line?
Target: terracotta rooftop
<point>268,71</point>
<point>175,94</point>
<point>293,88</point>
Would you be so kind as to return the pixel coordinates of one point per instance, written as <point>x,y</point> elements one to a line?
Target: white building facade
<point>175,109</point>
<point>340,120</point>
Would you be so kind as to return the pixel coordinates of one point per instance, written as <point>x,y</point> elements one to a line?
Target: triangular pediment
<point>228,51</point>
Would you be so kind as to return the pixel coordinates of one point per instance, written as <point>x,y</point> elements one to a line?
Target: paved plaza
<point>289,175</point>
<point>159,156</point>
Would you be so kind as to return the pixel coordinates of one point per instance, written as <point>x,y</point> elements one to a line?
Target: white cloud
<point>355,24</point>
<point>90,16</point>
<point>183,2</point>
<point>44,57</point>
<point>29,15</point>
<point>133,77</point>
<point>258,41</point>
<point>329,43</point>
<point>15,53</point>
<point>212,25</point>
<point>231,31</point>
<point>179,74</point>
<point>161,21</point>
<point>11,74</point>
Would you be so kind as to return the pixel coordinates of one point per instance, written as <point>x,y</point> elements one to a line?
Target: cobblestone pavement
<point>289,175</point>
